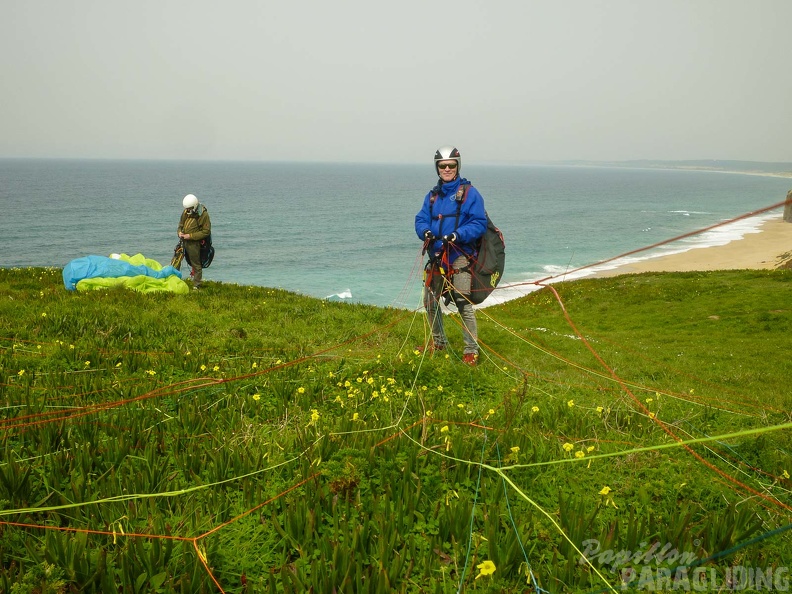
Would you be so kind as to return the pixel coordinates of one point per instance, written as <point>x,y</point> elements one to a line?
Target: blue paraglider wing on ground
<point>136,272</point>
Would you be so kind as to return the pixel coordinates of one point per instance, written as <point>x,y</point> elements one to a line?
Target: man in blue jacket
<point>451,220</point>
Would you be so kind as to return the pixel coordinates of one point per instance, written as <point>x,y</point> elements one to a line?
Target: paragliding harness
<point>485,264</point>
<point>207,252</point>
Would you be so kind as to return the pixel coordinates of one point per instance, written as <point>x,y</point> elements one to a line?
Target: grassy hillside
<point>246,439</point>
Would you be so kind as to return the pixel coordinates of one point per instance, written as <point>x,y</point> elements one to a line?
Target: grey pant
<point>193,250</point>
<point>433,292</point>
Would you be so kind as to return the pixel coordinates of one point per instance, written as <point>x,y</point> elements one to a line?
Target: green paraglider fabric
<point>133,272</point>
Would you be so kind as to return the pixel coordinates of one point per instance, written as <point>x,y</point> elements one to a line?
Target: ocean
<point>345,231</point>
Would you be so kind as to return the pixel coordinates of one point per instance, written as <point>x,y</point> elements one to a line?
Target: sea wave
<point>340,296</point>
<point>718,236</point>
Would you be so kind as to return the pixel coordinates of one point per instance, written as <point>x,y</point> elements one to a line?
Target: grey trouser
<point>193,251</point>
<point>433,291</point>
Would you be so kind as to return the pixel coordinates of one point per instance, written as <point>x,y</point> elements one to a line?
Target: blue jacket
<point>472,218</point>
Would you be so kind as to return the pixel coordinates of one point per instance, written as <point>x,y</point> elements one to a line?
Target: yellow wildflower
<point>534,409</point>
<point>314,415</point>
<point>355,417</point>
<point>516,449</point>
<point>600,409</point>
<point>580,454</point>
<point>590,449</point>
<point>203,367</point>
<point>216,368</point>
<point>444,429</point>
<point>439,388</point>
<point>570,403</point>
<point>486,568</point>
<point>256,396</point>
<point>785,474</point>
<point>568,447</point>
<point>605,490</point>
<point>21,372</point>
<point>301,390</point>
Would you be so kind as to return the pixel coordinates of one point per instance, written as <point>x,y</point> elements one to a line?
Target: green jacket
<point>196,224</point>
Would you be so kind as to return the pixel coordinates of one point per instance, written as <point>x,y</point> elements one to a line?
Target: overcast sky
<point>363,80</point>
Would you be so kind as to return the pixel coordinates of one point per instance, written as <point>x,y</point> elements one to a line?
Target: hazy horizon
<point>506,82</point>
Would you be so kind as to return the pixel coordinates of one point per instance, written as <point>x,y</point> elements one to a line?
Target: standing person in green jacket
<point>194,225</point>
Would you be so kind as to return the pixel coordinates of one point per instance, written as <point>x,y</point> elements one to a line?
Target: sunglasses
<point>447,166</point>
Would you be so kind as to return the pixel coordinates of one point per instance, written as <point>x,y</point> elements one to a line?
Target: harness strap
<point>440,265</point>
<point>461,196</point>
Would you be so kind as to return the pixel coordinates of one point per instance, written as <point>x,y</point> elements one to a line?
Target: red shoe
<point>470,359</point>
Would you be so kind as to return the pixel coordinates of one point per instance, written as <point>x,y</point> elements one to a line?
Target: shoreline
<point>758,243</point>
<point>768,247</point>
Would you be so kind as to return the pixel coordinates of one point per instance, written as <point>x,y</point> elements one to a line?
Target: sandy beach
<point>769,248</point>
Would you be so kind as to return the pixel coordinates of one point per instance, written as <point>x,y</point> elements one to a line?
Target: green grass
<point>245,439</point>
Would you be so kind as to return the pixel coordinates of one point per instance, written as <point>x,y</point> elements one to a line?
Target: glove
<point>428,235</point>
<point>451,238</point>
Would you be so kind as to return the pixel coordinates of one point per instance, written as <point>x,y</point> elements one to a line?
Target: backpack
<point>489,260</point>
<point>207,252</point>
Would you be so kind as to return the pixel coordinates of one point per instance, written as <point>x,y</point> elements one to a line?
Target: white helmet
<point>190,201</point>
<point>448,153</point>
